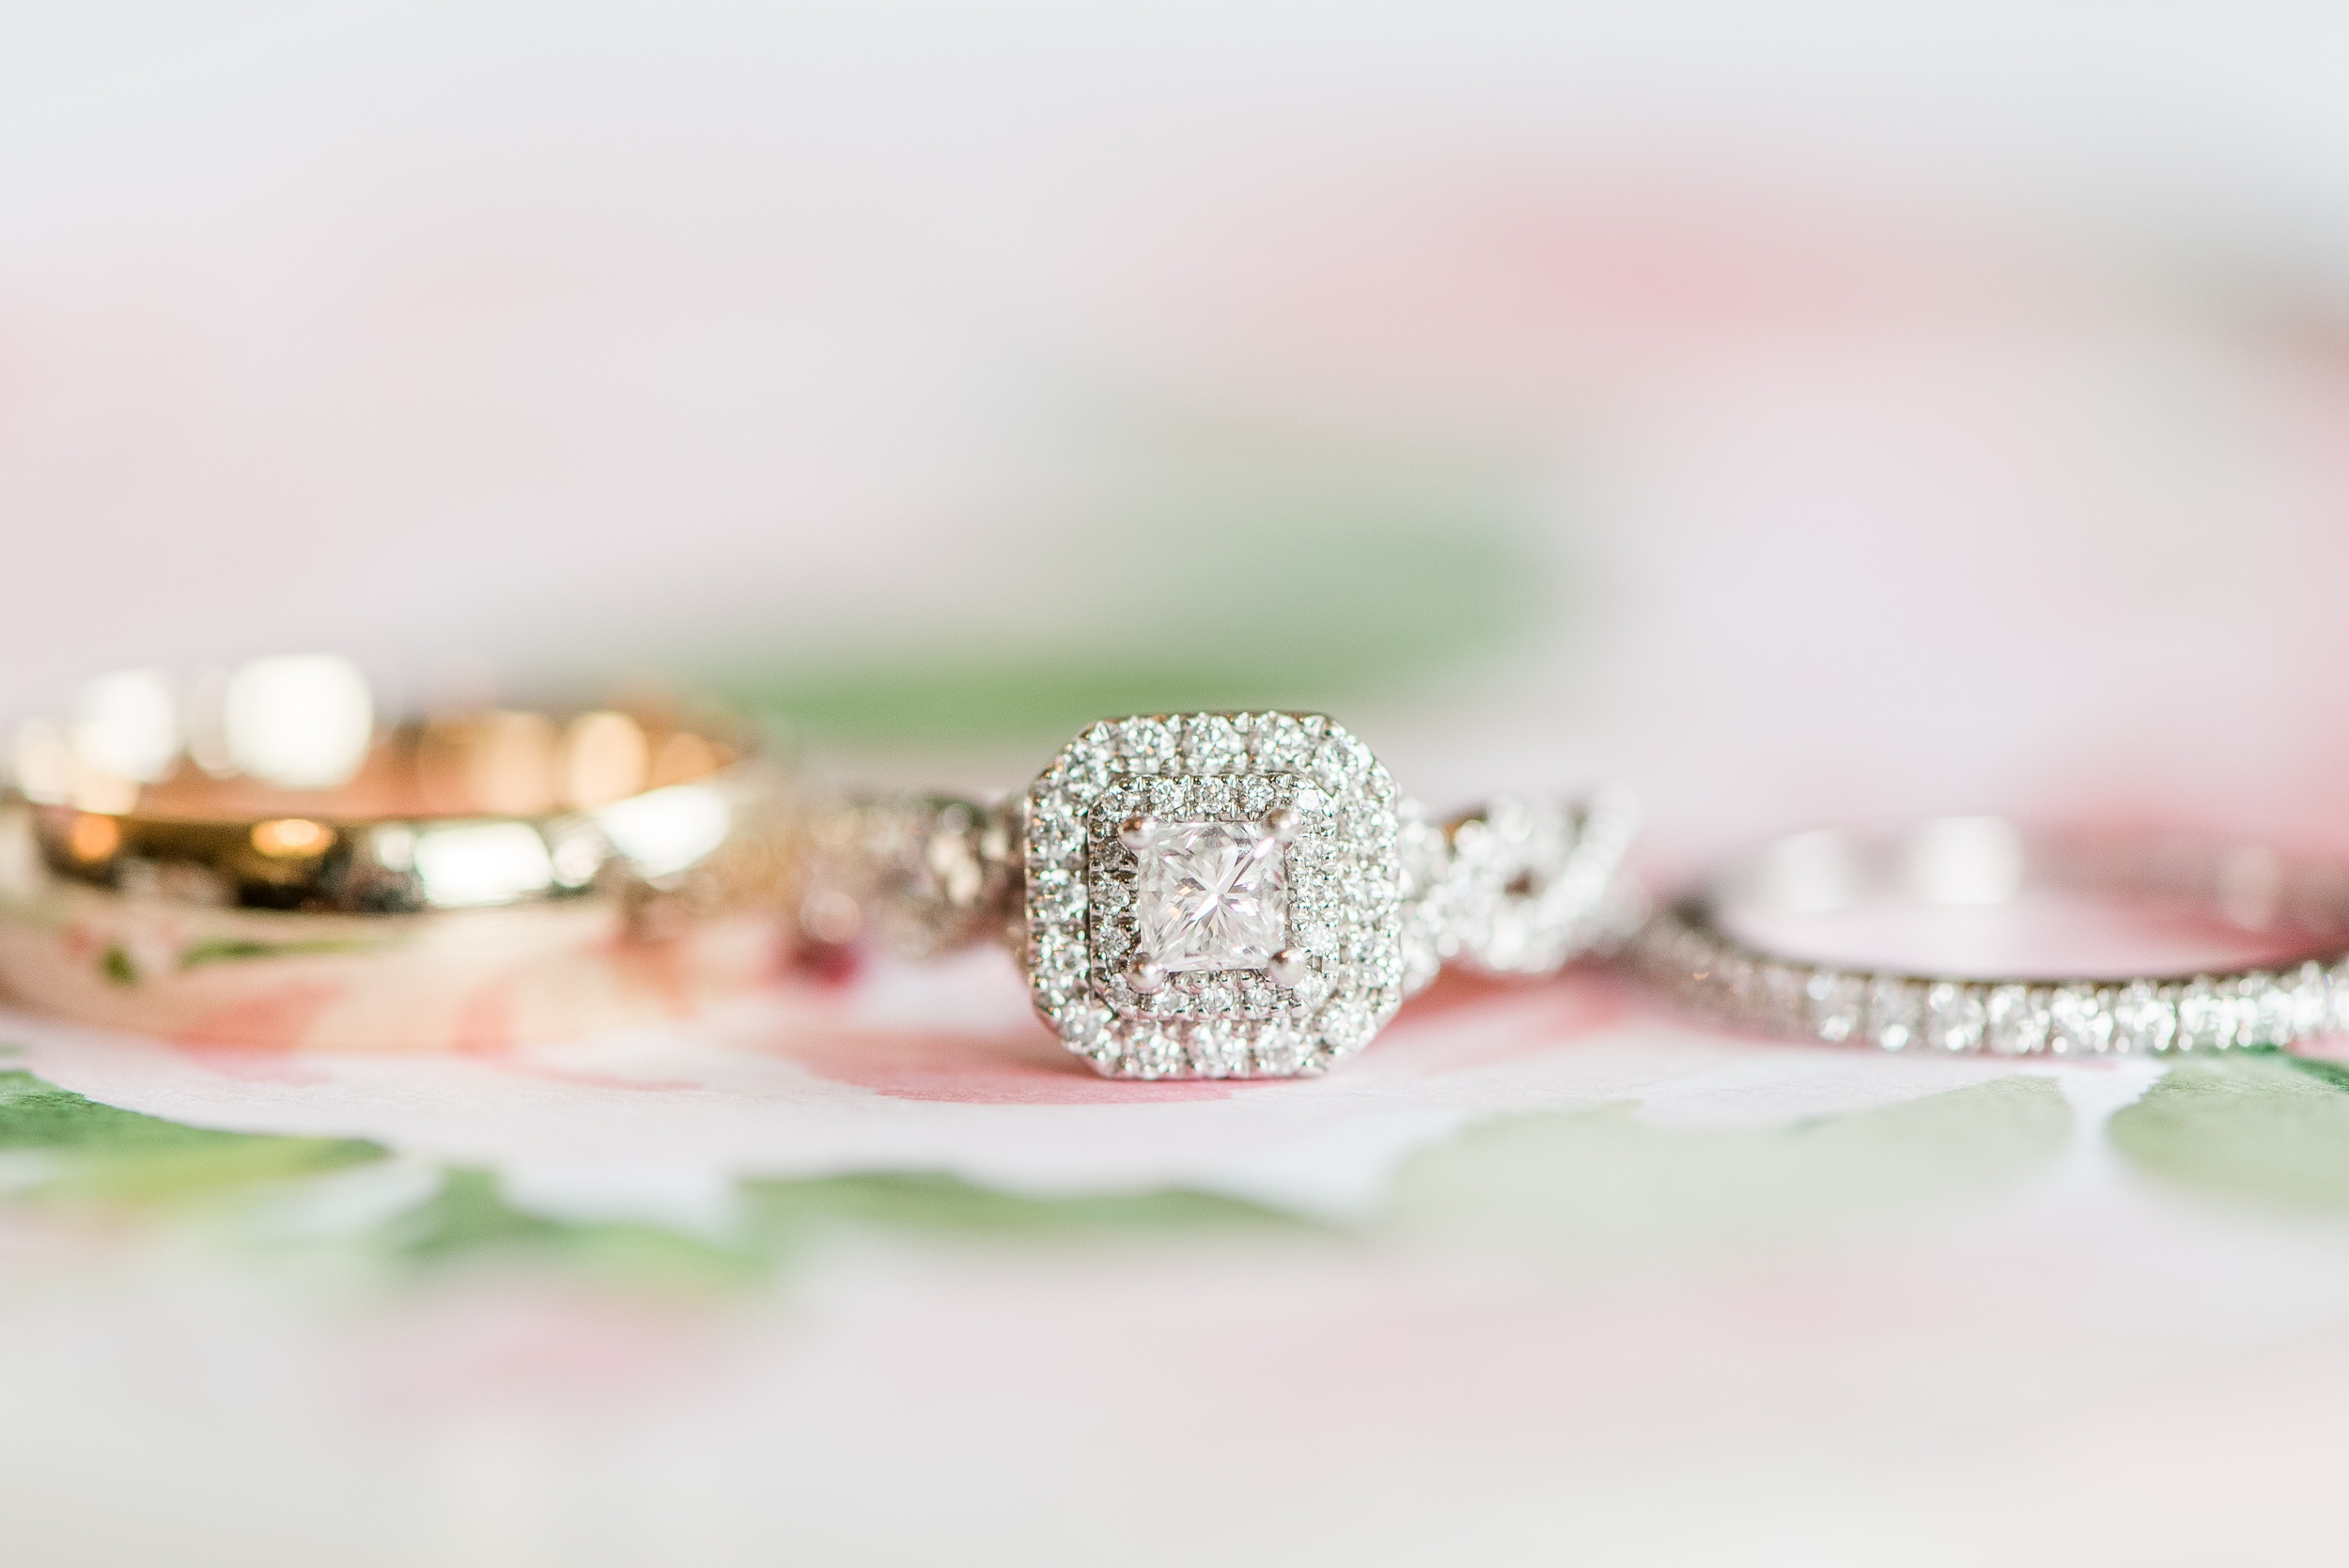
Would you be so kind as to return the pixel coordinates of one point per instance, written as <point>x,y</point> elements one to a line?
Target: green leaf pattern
<point>2262,1126</point>
<point>1585,1185</point>
<point>1591,1184</point>
<point>76,1155</point>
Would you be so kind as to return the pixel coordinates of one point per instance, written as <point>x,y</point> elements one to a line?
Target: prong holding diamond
<point>1289,966</point>
<point>1163,880</point>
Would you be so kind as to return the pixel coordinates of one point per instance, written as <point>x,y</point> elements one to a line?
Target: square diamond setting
<point>1214,938</point>
<point>1210,894</point>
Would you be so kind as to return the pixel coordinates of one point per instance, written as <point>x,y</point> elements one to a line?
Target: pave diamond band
<point>1227,895</point>
<point>1522,886</point>
<point>919,875</point>
<point>1689,949</point>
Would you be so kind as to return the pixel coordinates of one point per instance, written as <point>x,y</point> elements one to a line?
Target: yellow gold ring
<point>251,858</point>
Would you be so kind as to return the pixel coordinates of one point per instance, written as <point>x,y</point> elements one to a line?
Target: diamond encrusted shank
<point>1712,973</point>
<point>1254,822</point>
<point>1519,886</point>
<point>1689,949</point>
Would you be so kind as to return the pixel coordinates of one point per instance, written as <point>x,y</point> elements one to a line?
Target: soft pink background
<point>1933,408</point>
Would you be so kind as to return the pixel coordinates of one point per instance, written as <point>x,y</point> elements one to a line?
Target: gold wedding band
<point>250,859</point>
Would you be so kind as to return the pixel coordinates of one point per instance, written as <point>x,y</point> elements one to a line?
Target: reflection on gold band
<point>285,837</point>
<point>93,838</point>
<point>604,758</point>
<point>251,858</point>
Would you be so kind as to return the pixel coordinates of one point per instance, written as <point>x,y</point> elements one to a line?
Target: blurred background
<point>1797,409</point>
<point>1802,411</point>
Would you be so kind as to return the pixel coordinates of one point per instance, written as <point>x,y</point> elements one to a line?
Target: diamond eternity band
<point>1689,948</point>
<point>1226,895</point>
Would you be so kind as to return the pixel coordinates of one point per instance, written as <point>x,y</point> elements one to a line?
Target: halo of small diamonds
<point>1341,883</point>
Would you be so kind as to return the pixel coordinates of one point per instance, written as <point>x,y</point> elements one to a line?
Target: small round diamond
<point>2078,1022</point>
<point>1058,895</point>
<point>1347,1025</point>
<point>1147,745</point>
<point>1216,1050</point>
<point>1057,956</point>
<point>1083,773</point>
<point>1836,1003</point>
<point>1086,1026</point>
<point>1054,831</point>
<point>1953,1016</point>
<point>1279,1052</point>
<point>2312,1002</point>
<point>2264,1010</point>
<point>2016,1021</point>
<point>1154,1053</point>
<point>1894,1007</point>
<point>1279,743</point>
<point>1777,990</point>
<point>2144,1020</point>
<point>1212,743</point>
<point>1334,765</point>
<point>2205,1018</point>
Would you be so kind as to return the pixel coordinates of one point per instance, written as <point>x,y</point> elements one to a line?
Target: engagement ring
<point>1226,895</point>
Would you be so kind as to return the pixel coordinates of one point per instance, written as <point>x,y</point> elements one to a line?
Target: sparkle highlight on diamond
<point>1209,895</point>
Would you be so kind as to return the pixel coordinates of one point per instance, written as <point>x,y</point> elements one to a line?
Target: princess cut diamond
<point>1250,923</point>
<point>1210,895</point>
